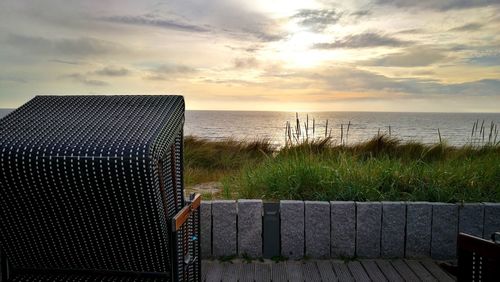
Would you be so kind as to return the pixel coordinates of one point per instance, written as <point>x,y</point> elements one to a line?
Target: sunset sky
<point>284,55</point>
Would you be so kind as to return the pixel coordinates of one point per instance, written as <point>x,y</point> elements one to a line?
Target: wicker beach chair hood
<point>90,184</point>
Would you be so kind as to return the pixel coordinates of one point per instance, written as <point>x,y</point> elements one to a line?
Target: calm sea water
<point>455,128</point>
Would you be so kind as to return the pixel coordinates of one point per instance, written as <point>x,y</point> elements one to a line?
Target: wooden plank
<point>205,265</point>
<point>405,271</point>
<point>420,270</point>
<point>262,272</point>
<point>247,272</point>
<point>373,270</point>
<point>342,271</point>
<point>358,271</point>
<point>214,272</point>
<point>310,271</point>
<point>230,272</point>
<point>436,271</point>
<point>294,271</point>
<point>388,270</point>
<point>278,272</point>
<point>326,271</point>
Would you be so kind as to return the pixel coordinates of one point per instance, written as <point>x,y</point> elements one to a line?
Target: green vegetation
<point>317,168</point>
<point>382,168</point>
<point>207,161</point>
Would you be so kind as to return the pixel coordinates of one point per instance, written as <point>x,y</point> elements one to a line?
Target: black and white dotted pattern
<point>80,278</point>
<point>87,182</point>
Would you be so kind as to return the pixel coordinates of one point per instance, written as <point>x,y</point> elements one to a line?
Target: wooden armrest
<point>184,214</point>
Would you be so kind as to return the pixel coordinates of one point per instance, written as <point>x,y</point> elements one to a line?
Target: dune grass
<point>207,161</point>
<point>382,168</point>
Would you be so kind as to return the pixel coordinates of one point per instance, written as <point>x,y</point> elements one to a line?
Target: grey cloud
<point>245,63</point>
<point>83,46</point>
<point>248,49</point>
<point>230,19</point>
<point>231,81</point>
<point>317,20</point>
<point>169,68</point>
<point>12,79</point>
<point>488,87</point>
<point>468,27</point>
<point>155,77</point>
<point>363,40</point>
<point>83,79</point>
<point>413,57</point>
<point>253,33</point>
<point>486,60</point>
<point>66,62</point>
<point>94,82</point>
<point>481,48</point>
<point>112,71</point>
<point>349,80</point>
<point>411,31</point>
<point>264,84</point>
<point>157,21</point>
<point>423,72</point>
<point>439,5</point>
<point>460,47</point>
<point>361,13</point>
<point>258,30</point>
<point>168,71</point>
<point>225,18</point>
<point>344,79</point>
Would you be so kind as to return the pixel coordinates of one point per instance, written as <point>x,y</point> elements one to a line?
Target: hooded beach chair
<point>91,189</point>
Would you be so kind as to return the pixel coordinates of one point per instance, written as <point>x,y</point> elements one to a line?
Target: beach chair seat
<point>80,278</point>
<point>478,258</point>
<point>92,187</point>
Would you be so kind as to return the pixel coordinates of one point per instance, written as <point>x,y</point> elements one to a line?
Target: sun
<point>297,51</point>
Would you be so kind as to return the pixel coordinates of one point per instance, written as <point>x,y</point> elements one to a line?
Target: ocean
<point>455,128</point>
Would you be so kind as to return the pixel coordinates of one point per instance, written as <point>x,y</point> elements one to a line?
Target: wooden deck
<point>324,270</point>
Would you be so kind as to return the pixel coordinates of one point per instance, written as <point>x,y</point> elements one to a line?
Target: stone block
<point>491,219</point>
<point>368,229</point>
<point>418,229</point>
<point>471,219</point>
<point>343,229</point>
<point>317,229</point>
<point>206,228</point>
<point>393,230</point>
<point>224,215</point>
<point>444,231</point>
<point>292,229</point>
<point>250,228</point>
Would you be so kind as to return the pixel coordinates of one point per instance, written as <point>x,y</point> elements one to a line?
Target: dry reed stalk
<point>347,132</point>
<point>341,134</point>
<point>314,127</point>
<point>326,128</point>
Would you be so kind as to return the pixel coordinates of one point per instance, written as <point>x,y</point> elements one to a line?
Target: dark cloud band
<point>363,40</point>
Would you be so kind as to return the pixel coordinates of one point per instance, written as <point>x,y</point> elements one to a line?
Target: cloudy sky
<point>361,55</point>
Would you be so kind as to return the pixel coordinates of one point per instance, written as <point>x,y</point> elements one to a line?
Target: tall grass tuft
<point>207,160</point>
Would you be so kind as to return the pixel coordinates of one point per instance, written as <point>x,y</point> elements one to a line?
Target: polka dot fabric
<point>90,183</point>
